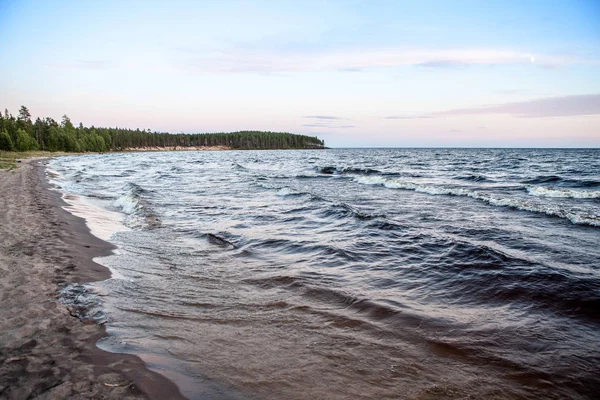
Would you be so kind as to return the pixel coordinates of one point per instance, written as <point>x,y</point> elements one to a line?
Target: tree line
<point>21,133</point>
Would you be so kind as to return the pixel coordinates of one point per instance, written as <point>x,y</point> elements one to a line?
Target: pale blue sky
<point>355,73</point>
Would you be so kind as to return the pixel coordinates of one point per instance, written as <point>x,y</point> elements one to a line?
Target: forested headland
<point>21,133</point>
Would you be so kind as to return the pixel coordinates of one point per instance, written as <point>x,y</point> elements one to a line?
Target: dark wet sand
<point>45,353</point>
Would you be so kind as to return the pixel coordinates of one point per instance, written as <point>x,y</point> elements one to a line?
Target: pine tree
<point>48,134</point>
<point>25,142</point>
<point>5,142</point>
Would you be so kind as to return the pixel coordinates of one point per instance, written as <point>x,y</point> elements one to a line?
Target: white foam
<point>52,174</point>
<point>285,191</point>
<point>406,185</point>
<point>584,219</point>
<point>570,193</point>
<point>102,223</point>
<point>574,217</point>
<point>127,203</point>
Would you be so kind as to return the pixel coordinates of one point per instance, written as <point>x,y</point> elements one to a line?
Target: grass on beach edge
<point>8,159</point>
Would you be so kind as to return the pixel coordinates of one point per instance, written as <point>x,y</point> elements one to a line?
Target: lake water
<point>351,273</point>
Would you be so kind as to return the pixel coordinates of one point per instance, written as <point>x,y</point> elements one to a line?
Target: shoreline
<point>44,350</point>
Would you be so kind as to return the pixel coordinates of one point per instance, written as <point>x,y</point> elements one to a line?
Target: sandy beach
<point>46,352</point>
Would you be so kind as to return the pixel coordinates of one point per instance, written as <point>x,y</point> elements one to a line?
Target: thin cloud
<point>513,91</point>
<point>522,92</point>
<point>328,126</point>
<point>565,106</point>
<point>327,117</point>
<point>326,121</point>
<point>240,60</point>
<point>442,64</point>
<point>455,130</point>
<point>86,65</point>
<point>409,117</point>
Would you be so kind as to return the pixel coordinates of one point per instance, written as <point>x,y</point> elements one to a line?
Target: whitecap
<point>542,191</point>
<point>575,217</point>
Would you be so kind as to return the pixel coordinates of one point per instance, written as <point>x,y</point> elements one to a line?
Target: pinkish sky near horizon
<point>354,73</point>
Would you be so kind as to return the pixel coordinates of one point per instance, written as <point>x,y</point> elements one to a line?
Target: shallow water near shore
<point>359,273</point>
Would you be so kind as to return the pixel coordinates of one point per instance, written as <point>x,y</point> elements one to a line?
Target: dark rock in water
<point>214,239</point>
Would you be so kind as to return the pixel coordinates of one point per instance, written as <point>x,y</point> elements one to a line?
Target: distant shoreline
<point>23,134</point>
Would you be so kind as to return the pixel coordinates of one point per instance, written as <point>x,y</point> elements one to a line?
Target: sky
<point>354,73</point>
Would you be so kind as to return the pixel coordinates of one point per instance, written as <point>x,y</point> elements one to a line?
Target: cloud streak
<point>328,126</point>
<point>409,117</point>
<point>239,60</point>
<point>87,65</point>
<point>326,121</point>
<point>565,106</point>
<point>443,64</point>
<point>325,117</point>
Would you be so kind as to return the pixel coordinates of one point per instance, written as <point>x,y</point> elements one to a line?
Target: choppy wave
<point>307,257</point>
<point>565,193</point>
<point>343,210</point>
<point>134,205</point>
<point>574,216</point>
<point>516,279</point>
<point>289,192</point>
<point>543,179</point>
<point>329,170</point>
<point>473,178</point>
<point>562,181</point>
<point>101,196</point>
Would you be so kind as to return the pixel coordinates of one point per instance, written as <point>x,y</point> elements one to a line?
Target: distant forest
<point>22,134</point>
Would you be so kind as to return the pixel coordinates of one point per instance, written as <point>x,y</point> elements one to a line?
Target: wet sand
<point>45,352</point>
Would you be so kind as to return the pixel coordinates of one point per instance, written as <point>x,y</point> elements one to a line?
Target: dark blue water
<point>363,273</point>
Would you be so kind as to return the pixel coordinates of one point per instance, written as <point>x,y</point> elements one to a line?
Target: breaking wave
<point>346,170</point>
<point>473,178</point>
<point>557,180</point>
<point>542,191</point>
<point>133,203</point>
<point>576,217</point>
